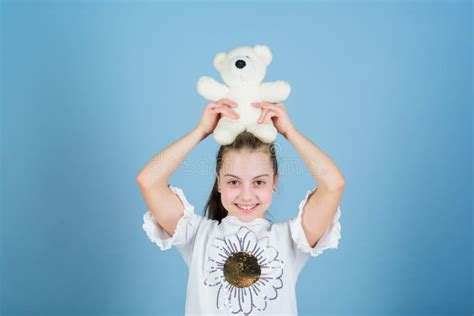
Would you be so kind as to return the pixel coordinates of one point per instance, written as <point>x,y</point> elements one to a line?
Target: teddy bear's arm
<point>211,90</point>
<point>275,92</point>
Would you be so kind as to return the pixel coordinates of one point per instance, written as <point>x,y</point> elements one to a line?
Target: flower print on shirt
<point>245,270</point>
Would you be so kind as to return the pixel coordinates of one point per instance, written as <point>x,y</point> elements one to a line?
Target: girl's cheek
<point>265,190</point>
<point>231,190</point>
<point>229,194</point>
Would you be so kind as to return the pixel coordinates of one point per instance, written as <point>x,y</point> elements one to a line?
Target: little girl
<point>239,262</point>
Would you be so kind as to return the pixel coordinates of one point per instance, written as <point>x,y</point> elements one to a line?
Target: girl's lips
<point>247,211</point>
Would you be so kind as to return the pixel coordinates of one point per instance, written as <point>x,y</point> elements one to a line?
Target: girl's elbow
<point>341,183</point>
<point>337,185</point>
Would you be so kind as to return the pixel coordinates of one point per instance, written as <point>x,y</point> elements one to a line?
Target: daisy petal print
<point>245,271</point>
<point>245,300</point>
<point>248,240</point>
<point>259,301</point>
<point>273,268</point>
<point>214,278</point>
<point>270,291</point>
<point>269,255</point>
<point>222,296</point>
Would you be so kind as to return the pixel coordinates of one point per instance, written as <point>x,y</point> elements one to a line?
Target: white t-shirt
<point>240,267</point>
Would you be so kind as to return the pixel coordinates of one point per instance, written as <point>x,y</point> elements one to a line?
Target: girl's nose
<point>247,193</point>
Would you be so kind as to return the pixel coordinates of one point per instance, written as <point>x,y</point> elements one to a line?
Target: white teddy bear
<point>243,69</point>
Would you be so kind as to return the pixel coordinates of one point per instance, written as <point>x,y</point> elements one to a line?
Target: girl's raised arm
<point>322,204</point>
<point>164,205</point>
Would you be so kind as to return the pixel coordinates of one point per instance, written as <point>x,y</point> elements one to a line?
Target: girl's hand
<point>213,113</point>
<point>276,113</point>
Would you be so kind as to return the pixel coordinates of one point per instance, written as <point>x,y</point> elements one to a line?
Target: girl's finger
<point>262,115</point>
<point>212,105</point>
<point>227,102</point>
<point>226,111</point>
<point>218,106</point>
<point>266,105</point>
<point>268,116</point>
<point>280,105</point>
<point>262,104</point>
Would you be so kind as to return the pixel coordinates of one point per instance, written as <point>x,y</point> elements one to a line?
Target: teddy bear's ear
<point>218,60</point>
<point>264,52</point>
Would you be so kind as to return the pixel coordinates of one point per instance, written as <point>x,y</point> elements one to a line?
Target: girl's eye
<point>258,182</point>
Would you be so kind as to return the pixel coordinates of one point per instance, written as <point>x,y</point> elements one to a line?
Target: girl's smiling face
<point>246,182</point>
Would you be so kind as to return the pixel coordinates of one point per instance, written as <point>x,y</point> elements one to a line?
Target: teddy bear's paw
<point>283,89</point>
<point>205,85</point>
<point>205,82</point>
<point>224,136</point>
<point>210,89</point>
<point>227,130</point>
<point>267,133</point>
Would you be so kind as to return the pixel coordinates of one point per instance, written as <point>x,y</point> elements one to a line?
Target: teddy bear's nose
<point>240,64</point>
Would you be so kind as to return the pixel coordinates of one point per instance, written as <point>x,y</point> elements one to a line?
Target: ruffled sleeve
<point>185,229</point>
<point>330,239</point>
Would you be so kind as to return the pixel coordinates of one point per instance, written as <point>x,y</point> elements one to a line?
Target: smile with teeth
<point>247,208</point>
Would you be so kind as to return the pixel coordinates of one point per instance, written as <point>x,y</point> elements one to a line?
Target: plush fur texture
<point>243,70</point>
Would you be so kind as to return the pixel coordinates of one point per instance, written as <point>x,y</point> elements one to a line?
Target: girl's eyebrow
<point>262,175</point>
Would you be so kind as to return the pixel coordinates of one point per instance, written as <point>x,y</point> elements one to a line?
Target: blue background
<point>93,90</point>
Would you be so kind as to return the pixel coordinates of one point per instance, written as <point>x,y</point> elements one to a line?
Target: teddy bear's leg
<point>226,131</point>
<point>265,132</point>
